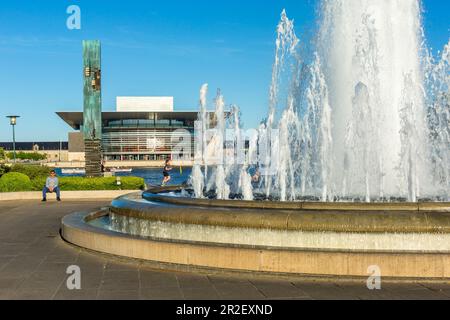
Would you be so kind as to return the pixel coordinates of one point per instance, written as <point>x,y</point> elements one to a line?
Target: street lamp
<point>13,122</point>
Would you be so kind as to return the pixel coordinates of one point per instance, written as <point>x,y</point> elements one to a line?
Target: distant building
<point>141,129</point>
<point>55,151</point>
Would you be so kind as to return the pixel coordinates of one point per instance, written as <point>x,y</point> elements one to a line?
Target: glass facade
<point>146,139</point>
<point>141,135</point>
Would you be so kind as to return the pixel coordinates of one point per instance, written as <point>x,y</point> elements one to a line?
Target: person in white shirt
<point>52,186</point>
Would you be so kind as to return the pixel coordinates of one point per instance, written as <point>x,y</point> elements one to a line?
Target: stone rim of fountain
<point>266,259</point>
<point>158,194</point>
<point>318,217</point>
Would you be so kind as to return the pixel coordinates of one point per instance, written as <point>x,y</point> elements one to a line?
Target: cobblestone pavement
<point>34,260</point>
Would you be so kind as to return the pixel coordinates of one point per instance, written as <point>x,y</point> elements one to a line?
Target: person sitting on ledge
<point>52,186</point>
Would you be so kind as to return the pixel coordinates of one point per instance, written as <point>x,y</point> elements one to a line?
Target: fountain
<point>351,167</point>
<point>365,118</point>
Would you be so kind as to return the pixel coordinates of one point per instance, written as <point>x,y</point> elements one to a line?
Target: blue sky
<point>149,48</point>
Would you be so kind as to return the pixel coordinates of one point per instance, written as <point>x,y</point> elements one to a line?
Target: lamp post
<point>13,122</point>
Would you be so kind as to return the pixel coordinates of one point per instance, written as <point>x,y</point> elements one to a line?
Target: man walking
<point>52,186</point>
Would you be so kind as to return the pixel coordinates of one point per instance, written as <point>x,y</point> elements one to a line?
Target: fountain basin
<point>404,240</point>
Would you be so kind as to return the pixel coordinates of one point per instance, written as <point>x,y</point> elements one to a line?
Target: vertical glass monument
<point>92,113</point>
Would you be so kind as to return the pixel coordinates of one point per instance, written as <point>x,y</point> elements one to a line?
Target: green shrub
<point>4,169</point>
<point>27,156</point>
<point>14,182</point>
<point>2,154</point>
<point>89,184</point>
<point>32,171</point>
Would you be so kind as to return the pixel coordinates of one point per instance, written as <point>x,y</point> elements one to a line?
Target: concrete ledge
<point>341,220</point>
<point>407,240</point>
<point>157,194</point>
<point>266,260</point>
<point>69,195</point>
<point>119,164</point>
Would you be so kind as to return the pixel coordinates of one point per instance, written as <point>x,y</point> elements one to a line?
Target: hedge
<point>14,182</point>
<point>4,169</point>
<point>32,171</point>
<point>21,177</point>
<point>87,184</point>
<point>27,156</point>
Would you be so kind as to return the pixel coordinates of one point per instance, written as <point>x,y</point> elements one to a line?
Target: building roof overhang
<point>75,119</point>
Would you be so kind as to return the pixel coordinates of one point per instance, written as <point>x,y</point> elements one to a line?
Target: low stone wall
<point>65,195</point>
<point>315,239</point>
<point>121,164</point>
<point>339,263</point>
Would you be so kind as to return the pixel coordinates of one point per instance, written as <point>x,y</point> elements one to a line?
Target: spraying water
<point>198,179</point>
<point>371,54</point>
<point>365,118</point>
<point>221,187</point>
<point>241,161</point>
<point>438,117</point>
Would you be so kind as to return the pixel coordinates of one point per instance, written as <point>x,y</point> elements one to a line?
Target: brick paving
<point>34,260</point>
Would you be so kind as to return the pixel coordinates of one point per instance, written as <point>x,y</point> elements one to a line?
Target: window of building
<point>163,123</point>
<point>115,123</point>
<point>177,123</point>
<point>130,123</point>
<point>146,123</point>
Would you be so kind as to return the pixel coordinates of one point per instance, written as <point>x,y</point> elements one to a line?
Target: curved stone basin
<point>160,194</point>
<point>405,240</point>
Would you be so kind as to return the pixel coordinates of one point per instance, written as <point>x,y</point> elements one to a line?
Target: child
<point>166,172</point>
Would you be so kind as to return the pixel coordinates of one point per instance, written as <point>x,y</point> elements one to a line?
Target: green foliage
<point>27,156</point>
<point>90,184</point>
<point>4,169</point>
<point>20,177</point>
<point>2,154</point>
<point>32,171</point>
<point>14,182</point>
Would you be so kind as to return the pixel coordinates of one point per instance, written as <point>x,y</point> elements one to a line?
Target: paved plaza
<point>34,260</point>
